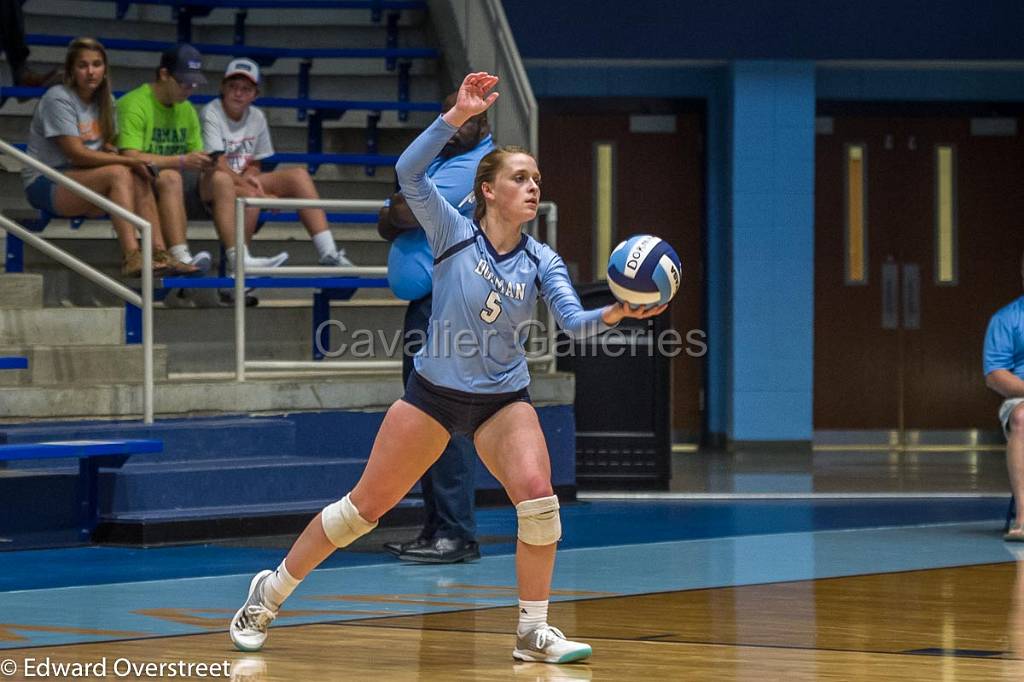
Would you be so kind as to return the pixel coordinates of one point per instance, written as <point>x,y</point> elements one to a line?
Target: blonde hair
<point>104,94</point>
<point>488,170</point>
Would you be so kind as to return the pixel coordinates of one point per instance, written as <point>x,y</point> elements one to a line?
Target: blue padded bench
<point>91,455</point>
<point>326,289</point>
<point>13,362</point>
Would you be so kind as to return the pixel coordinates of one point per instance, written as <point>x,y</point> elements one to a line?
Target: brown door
<point>658,189</point>
<point>902,350</point>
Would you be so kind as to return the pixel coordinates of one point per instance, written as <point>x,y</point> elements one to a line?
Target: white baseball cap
<point>243,67</point>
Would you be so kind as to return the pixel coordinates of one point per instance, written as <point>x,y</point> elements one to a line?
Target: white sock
<point>181,252</point>
<point>324,244</point>
<point>278,586</point>
<point>532,614</point>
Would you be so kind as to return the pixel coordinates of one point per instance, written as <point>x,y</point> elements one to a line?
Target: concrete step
<point>82,364</point>
<point>61,327</point>
<point>21,290</point>
<point>260,394</point>
<point>202,340</point>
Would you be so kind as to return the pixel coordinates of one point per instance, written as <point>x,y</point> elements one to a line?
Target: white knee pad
<point>343,524</point>
<point>539,523</point>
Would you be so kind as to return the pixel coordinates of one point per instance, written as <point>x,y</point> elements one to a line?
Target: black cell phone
<point>215,155</point>
<point>153,171</point>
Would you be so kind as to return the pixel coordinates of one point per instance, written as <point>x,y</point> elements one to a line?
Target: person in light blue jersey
<point>487,277</point>
<point>448,488</point>
<point>1003,364</point>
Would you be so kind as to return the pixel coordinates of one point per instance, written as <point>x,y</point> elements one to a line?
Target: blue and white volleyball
<point>644,271</point>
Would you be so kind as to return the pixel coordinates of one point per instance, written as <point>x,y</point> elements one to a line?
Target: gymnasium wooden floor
<point>944,624</point>
<point>921,588</point>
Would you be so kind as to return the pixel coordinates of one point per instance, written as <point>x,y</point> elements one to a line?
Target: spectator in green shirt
<point>158,124</point>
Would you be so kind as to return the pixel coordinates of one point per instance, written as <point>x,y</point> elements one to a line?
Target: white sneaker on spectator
<point>337,260</point>
<point>258,262</point>
<point>202,260</point>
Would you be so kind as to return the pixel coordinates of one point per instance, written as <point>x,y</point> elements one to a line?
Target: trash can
<point>623,401</point>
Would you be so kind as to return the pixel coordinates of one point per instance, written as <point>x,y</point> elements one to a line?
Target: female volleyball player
<point>487,276</point>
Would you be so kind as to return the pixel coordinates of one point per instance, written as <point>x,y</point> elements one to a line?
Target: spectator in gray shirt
<point>72,130</point>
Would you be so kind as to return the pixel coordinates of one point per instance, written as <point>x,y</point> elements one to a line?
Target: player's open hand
<point>475,97</point>
<point>614,313</point>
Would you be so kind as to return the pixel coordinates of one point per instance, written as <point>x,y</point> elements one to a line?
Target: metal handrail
<point>474,35</point>
<point>547,208</point>
<point>511,67</point>
<point>145,301</point>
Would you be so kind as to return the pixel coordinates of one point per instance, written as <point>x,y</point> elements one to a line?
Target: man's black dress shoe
<point>443,551</point>
<point>396,548</point>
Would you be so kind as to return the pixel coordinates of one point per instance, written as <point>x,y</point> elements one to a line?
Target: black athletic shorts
<point>457,411</point>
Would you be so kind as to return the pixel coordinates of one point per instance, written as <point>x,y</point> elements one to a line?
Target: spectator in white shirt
<point>232,126</point>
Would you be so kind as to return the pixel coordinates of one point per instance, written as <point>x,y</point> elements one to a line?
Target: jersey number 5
<point>492,308</point>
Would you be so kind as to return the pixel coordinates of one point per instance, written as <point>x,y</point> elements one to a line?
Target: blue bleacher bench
<point>13,362</point>
<point>266,55</point>
<point>91,455</point>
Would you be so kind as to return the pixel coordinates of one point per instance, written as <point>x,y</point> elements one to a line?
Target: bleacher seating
<point>306,454</point>
<point>313,111</point>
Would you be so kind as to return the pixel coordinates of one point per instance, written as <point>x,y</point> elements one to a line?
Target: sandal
<point>168,264</point>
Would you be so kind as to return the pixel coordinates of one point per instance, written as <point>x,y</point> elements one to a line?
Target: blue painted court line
<point>586,524</point>
<point>200,605</point>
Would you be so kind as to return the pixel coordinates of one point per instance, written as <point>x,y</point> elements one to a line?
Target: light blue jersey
<point>1004,340</point>
<point>483,301</point>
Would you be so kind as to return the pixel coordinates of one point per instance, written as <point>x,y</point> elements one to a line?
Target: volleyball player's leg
<point>408,442</point>
<point>512,446</point>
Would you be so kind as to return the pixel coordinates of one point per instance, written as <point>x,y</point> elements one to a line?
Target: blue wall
<point>771,311</point>
<point>779,29</point>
